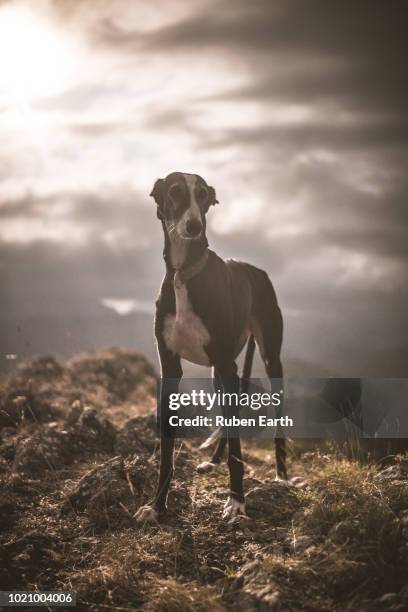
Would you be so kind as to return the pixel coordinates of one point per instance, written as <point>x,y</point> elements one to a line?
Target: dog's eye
<point>175,192</point>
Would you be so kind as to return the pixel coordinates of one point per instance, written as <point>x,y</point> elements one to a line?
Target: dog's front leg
<point>171,375</point>
<point>235,504</point>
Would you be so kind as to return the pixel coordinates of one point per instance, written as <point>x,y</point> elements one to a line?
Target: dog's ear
<point>157,194</point>
<point>213,197</point>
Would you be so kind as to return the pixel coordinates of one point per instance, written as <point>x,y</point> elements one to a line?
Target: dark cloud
<point>116,209</point>
<point>333,136</point>
<point>310,52</point>
<point>370,32</point>
<point>48,277</point>
<point>340,85</point>
<point>26,206</point>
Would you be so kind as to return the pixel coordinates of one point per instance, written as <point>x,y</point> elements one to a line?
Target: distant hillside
<point>65,335</point>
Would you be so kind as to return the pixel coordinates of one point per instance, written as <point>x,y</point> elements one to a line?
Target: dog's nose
<point>193,227</point>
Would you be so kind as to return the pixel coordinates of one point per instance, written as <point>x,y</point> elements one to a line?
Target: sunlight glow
<point>35,58</point>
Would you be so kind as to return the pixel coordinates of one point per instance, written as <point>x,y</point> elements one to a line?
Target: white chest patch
<point>184,333</point>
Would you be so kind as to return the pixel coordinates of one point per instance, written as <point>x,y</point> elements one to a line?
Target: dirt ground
<point>78,456</point>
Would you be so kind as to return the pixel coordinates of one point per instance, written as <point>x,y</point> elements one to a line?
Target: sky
<point>294,111</point>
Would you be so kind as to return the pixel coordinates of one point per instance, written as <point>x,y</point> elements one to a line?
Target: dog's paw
<point>233,508</point>
<point>146,514</point>
<point>205,467</point>
<point>299,482</point>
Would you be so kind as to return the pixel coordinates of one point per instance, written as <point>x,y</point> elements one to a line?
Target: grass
<point>336,542</point>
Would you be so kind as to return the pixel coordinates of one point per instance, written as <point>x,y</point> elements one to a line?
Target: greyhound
<point>207,310</point>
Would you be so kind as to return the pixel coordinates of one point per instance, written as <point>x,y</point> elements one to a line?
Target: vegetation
<point>78,455</point>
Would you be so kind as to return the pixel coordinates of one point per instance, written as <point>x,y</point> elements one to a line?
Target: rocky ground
<point>78,456</point>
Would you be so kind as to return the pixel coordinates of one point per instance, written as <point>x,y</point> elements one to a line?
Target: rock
<point>74,412</point>
<point>137,436</point>
<point>46,367</point>
<point>24,405</point>
<point>118,371</point>
<point>94,432</point>
<point>271,499</point>
<point>99,486</point>
<point>257,586</point>
<point>46,449</point>
<point>40,389</point>
<point>27,396</point>
<point>110,491</point>
<point>52,447</point>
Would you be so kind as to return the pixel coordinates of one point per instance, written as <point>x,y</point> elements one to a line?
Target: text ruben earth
<point>234,421</point>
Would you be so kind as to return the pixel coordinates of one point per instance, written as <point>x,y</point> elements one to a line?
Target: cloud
<point>295,112</point>
<point>113,218</point>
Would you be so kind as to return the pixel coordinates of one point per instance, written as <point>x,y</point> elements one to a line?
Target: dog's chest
<point>184,333</point>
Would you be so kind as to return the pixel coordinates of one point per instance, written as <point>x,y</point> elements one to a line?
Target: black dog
<point>207,310</point>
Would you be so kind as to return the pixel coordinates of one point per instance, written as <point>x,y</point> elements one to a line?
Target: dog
<point>207,310</point>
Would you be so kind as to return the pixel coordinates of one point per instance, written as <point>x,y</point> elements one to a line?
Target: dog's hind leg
<point>274,371</point>
<point>268,331</point>
<point>235,504</point>
<point>208,466</point>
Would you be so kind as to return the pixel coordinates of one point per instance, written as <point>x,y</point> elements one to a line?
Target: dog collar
<point>186,274</point>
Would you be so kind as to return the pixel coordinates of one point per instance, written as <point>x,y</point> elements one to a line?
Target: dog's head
<point>182,202</point>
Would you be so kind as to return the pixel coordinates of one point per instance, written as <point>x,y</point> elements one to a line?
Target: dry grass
<point>338,542</point>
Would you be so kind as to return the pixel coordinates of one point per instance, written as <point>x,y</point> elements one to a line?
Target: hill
<point>78,456</point>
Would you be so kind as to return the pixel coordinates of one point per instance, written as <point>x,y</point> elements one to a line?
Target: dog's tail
<point>212,439</point>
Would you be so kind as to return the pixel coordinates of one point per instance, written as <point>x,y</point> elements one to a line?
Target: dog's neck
<point>180,254</point>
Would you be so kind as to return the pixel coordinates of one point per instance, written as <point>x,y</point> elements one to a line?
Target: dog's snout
<point>193,227</point>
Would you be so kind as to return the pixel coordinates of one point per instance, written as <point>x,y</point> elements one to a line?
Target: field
<point>78,456</point>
